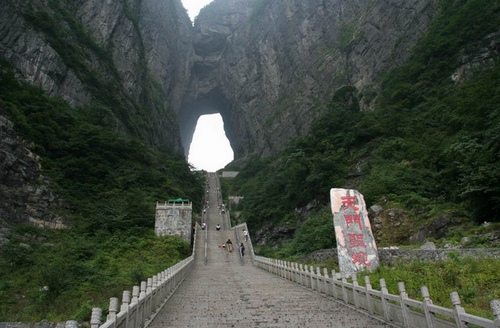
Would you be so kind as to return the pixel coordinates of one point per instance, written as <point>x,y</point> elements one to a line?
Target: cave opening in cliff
<point>210,149</point>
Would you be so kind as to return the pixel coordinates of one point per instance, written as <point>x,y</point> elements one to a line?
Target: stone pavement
<point>225,293</point>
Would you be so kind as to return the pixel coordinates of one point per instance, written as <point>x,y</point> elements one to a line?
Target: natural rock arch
<point>213,102</point>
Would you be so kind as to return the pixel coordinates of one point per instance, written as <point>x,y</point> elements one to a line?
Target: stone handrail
<point>167,204</point>
<point>146,299</point>
<point>398,310</point>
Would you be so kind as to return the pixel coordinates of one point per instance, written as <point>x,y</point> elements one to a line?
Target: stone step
<point>225,293</point>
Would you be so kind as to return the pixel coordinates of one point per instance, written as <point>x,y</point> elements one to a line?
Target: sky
<point>194,6</point>
<point>210,150</point>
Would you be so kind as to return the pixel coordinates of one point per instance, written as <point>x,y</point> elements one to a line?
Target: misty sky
<point>193,6</point>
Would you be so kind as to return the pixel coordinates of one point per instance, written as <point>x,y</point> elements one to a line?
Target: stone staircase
<point>228,293</point>
<point>225,293</point>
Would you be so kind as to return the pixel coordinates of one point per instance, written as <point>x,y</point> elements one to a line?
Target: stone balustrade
<point>146,299</point>
<point>139,307</point>
<point>398,310</point>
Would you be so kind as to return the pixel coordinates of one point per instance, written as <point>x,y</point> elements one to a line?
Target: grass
<point>475,279</point>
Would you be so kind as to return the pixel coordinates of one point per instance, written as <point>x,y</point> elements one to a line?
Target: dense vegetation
<point>92,63</point>
<point>111,182</point>
<point>431,146</point>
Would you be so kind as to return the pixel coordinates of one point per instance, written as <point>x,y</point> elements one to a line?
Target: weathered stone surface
<point>391,225</point>
<point>24,192</point>
<point>437,229</point>
<point>271,235</point>
<point>34,58</point>
<point>479,55</point>
<point>149,44</point>
<point>428,246</point>
<point>174,219</point>
<point>357,250</point>
<point>140,50</point>
<point>265,65</point>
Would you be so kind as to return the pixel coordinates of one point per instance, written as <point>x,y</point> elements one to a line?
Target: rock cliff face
<point>24,191</point>
<point>265,65</point>
<point>131,55</point>
<point>125,60</point>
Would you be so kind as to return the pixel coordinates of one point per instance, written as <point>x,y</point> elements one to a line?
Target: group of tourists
<point>228,245</point>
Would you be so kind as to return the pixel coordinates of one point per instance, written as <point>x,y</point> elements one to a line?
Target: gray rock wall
<point>391,256</point>
<point>266,65</point>
<point>172,220</point>
<point>24,192</point>
<point>140,50</point>
<point>133,54</point>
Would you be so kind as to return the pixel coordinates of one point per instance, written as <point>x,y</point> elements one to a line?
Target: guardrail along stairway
<point>218,288</point>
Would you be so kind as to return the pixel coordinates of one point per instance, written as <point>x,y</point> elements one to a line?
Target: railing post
<point>125,301</point>
<point>344,289</point>
<point>307,276</point>
<point>318,277</point>
<point>427,301</point>
<point>495,308</point>
<point>71,324</point>
<point>169,281</point>
<point>149,298</point>
<point>95,319</point>
<point>113,308</point>
<point>325,281</point>
<point>149,287</point>
<point>334,285</point>
<point>301,271</point>
<point>174,277</point>
<point>154,290</point>
<point>383,292</point>
<point>143,290</point>
<point>163,285</point>
<point>368,288</point>
<point>296,274</point>
<point>135,294</point>
<point>355,285</point>
<point>311,277</point>
<point>403,296</point>
<point>155,282</point>
<point>458,310</point>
